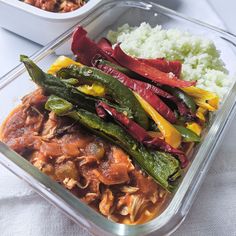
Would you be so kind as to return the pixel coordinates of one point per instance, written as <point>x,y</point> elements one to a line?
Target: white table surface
<point>214,211</point>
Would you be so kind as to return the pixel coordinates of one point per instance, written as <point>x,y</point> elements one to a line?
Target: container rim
<point>188,188</point>
<point>52,15</point>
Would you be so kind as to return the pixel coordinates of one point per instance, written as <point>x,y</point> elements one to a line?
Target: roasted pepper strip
<point>54,85</point>
<point>158,91</point>
<point>70,81</point>
<point>203,98</point>
<point>187,134</point>
<point>164,65</point>
<point>85,49</point>
<point>171,135</point>
<point>59,87</point>
<point>98,60</point>
<point>60,106</point>
<point>141,135</point>
<point>200,114</point>
<point>119,92</point>
<point>105,45</point>
<point>146,94</point>
<point>148,71</point>
<point>95,90</point>
<point>100,63</point>
<point>61,62</point>
<point>195,127</point>
<point>161,166</point>
<point>188,101</point>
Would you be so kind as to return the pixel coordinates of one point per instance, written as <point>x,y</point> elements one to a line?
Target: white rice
<point>200,58</point>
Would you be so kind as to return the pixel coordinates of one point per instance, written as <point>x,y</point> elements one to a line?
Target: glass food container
<point>108,16</point>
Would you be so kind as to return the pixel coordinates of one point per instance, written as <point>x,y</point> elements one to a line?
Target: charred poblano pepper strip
<point>161,166</point>
<point>59,87</point>
<point>117,67</point>
<point>54,85</point>
<point>60,106</point>
<point>187,134</point>
<point>188,101</point>
<point>119,92</point>
<point>141,135</point>
<point>71,81</point>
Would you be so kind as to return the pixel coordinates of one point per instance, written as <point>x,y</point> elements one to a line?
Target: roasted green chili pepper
<point>188,101</point>
<point>117,67</point>
<point>60,106</point>
<point>63,89</point>
<point>187,134</point>
<point>161,166</point>
<point>71,81</point>
<point>54,85</point>
<point>119,92</point>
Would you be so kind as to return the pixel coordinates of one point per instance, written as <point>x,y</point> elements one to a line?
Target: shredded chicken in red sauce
<point>99,173</point>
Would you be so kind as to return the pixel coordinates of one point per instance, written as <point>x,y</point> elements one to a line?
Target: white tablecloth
<point>23,212</point>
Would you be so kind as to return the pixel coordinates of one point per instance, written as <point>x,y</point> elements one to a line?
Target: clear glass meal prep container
<point>108,16</point>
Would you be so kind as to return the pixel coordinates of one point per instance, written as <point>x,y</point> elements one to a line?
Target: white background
<point>214,211</point>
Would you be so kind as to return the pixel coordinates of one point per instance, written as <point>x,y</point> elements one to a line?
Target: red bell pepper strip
<point>105,45</point>
<point>164,65</point>
<point>134,129</point>
<point>158,91</point>
<point>101,112</point>
<point>142,90</point>
<point>183,110</point>
<point>159,63</point>
<point>148,71</point>
<point>140,134</point>
<point>85,49</point>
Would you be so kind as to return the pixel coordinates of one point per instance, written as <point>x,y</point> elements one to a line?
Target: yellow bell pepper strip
<point>195,127</point>
<point>214,102</point>
<point>95,90</point>
<point>203,98</point>
<point>171,135</point>
<point>61,62</point>
<point>201,112</point>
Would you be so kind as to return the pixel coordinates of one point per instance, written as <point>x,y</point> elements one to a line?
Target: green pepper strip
<point>188,101</point>
<point>119,92</point>
<point>64,89</point>
<point>119,68</point>
<point>70,81</point>
<point>161,166</point>
<point>187,134</point>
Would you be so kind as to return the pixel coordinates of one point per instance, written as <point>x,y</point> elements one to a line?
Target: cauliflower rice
<point>200,58</point>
